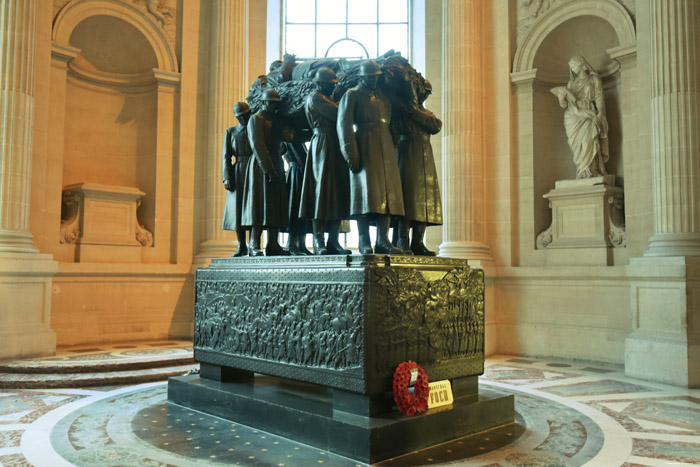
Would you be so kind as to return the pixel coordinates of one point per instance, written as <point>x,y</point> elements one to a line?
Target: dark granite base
<point>304,412</point>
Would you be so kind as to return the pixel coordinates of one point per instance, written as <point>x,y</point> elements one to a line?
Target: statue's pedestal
<point>587,221</point>
<point>329,331</point>
<point>101,222</point>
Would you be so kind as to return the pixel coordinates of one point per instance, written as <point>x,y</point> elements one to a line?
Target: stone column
<point>25,274</point>
<point>228,74</point>
<point>462,134</point>
<point>675,117</point>
<point>664,344</point>
<point>18,44</point>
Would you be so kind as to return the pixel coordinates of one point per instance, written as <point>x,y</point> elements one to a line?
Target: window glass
<point>301,11</point>
<point>362,11</point>
<point>393,11</point>
<point>300,40</point>
<point>348,48</point>
<point>379,25</point>
<point>331,11</point>
<point>393,36</point>
<point>366,34</point>
<point>326,34</point>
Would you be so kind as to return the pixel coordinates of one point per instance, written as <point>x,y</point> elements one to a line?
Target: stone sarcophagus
<point>344,322</point>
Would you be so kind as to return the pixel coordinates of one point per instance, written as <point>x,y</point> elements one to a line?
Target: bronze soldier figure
<point>421,192</point>
<point>367,146</point>
<point>236,146</point>
<point>326,189</point>
<point>297,157</point>
<point>265,203</point>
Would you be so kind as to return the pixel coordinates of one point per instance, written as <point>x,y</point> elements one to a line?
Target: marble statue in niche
<point>584,119</point>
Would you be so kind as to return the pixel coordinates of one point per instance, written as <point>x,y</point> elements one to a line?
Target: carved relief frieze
<point>315,325</point>
<point>340,325</point>
<point>430,321</point>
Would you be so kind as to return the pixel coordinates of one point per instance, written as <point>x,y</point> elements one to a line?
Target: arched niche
<point>78,11</point>
<point>597,30</point>
<point>121,80</point>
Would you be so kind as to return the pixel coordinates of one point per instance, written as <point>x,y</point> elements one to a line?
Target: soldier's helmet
<point>240,108</point>
<point>325,75</point>
<point>370,67</point>
<point>271,95</point>
<point>428,87</point>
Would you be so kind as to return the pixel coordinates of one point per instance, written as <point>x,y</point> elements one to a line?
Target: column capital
<point>63,54</point>
<point>625,55</point>
<point>523,81</point>
<point>167,79</point>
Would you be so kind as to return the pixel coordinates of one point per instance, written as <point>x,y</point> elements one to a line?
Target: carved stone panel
<point>343,322</point>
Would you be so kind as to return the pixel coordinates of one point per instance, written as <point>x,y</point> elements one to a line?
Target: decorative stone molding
<point>70,226</point>
<point>78,68</point>
<point>545,237</point>
<point>102,215</point>
<point>616,233</point>
<point>530,10</point>
<point>625,55</point>
<point>74,12</point>
<point>563,10</point>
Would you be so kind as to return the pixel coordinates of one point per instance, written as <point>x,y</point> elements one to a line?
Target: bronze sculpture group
<point>369,159</point>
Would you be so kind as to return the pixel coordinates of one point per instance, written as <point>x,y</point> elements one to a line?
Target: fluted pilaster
<point>18,31</point>
<point>675,119</point>
<point>228,73</point>
<point>462,134</point>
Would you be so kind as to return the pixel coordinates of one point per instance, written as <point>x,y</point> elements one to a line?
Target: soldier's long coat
<point>326,189</point>
<point>235,157</point>
<point>376,187</point>
<point>265,202</point>
<point>421,192</point>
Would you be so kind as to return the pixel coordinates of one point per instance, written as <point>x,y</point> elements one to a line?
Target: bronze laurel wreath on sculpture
<point>294,81</point>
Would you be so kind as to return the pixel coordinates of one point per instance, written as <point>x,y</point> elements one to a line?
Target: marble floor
<point>568,414</point>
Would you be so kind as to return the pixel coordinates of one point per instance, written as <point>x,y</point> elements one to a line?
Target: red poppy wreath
<point>416,403</point>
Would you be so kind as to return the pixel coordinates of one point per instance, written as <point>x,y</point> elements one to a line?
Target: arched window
<point>355,29</point>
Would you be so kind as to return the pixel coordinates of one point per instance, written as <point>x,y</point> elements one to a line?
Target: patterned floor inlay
<point>566,416</point>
